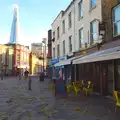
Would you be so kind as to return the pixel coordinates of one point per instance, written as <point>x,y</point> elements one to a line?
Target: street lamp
<point>44,51</point>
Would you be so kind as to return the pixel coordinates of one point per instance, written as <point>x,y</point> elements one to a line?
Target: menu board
<point>60,88</point>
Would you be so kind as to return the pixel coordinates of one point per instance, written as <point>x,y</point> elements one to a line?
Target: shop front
<point>53,62</point>
<point>68,70</point>
<point>102,68</point>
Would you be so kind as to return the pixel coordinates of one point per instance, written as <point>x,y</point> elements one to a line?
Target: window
<point>94,31</point>
<point>116,22</point>
<point>69,20</point>
<point>64,47</point>
<point>81,41</point>
<point>70,44</point>
<point>53,52</point>
<point>80,8</point>
<point>58,51</point>
<point>63,26</point>
<point>58,32</point>
<point>93,3</point>
<point>53,34</point>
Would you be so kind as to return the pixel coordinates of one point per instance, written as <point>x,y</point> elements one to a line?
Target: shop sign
<point>63,58</point>
<point>54,61</point>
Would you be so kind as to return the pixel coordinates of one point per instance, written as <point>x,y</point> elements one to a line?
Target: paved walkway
<point>17,103</point>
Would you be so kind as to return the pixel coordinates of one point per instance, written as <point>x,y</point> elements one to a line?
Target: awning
<point>67,62</point>
<point>108,54</point>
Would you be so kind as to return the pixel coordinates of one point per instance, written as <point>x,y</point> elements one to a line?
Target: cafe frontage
<point>102,68</point>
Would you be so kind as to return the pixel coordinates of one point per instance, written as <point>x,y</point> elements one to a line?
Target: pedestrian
<point>20,75</point>
<point>26,73</point>
<point>2,73</point>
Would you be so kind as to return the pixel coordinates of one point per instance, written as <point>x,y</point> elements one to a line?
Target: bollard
<point>29,83</point>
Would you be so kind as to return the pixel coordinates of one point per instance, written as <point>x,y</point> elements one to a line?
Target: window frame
<point>64,47</point>
<point>58,50</point>
<point>80,38</point>
<point>70,20</point>
<point>113,21</point>
<point>92,6</point>
<point>63,26</point>
<point>58,32</point>
<point>92,31</point>
<point>70,43</point>
<point>80,9</point>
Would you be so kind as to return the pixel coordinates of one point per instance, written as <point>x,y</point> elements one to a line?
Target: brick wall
<point>107,6</point>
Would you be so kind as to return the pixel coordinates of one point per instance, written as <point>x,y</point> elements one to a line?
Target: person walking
<point>26,73</point>
<point>2,73</point>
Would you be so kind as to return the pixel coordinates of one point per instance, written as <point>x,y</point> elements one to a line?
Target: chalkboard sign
<point>60,88</point>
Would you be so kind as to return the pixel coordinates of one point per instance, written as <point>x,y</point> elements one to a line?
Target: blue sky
<point>36,17</point>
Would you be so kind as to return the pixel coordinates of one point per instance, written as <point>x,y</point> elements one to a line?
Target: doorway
<point>110,77</point>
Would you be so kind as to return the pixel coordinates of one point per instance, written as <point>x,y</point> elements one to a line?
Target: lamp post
<point>44,51</point>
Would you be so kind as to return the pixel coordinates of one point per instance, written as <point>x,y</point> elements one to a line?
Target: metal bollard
<point>29,83</point>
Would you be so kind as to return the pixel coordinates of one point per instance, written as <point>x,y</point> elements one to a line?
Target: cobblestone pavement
<point>18,103</point>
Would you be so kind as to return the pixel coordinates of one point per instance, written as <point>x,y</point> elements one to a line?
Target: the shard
<point>14,35</point>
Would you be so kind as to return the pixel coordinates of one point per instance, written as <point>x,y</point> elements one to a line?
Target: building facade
<point>6,58</point>
<point>37,48</point>
<point>49,55</point>
<point>35,64</point>
<point>95,45</point>
<point>20,57</point>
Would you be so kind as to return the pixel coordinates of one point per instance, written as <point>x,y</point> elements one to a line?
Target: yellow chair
<point>69,88</point>
<point>89,88</point>
<point>117,99</point>
<point>76,87</point>
<point>82,84</point>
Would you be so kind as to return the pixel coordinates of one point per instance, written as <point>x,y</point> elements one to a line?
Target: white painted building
<point>76,28</point>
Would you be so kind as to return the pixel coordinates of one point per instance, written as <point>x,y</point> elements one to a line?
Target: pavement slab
<point>18,103</point>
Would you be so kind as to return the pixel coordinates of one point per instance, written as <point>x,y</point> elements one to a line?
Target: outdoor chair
<point>82,84</point>
<point>69,87</point>
<point>117,99</point>
<point>76,87</point>
<point>89,88</point>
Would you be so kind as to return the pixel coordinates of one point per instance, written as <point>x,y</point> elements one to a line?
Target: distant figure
<point>2,73</point>
<point>60,74</point>
<point>57,74</point>
<point>26,73</point>
<point>20,75</point>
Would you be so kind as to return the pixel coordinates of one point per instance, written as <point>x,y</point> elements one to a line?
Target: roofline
<point>72,2</point>
<point>64,11</point>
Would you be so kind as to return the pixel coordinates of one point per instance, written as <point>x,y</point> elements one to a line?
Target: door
<point>97,81</point>
<point>110,78</point>
<point>104,77</point>
<point>117,75</point>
